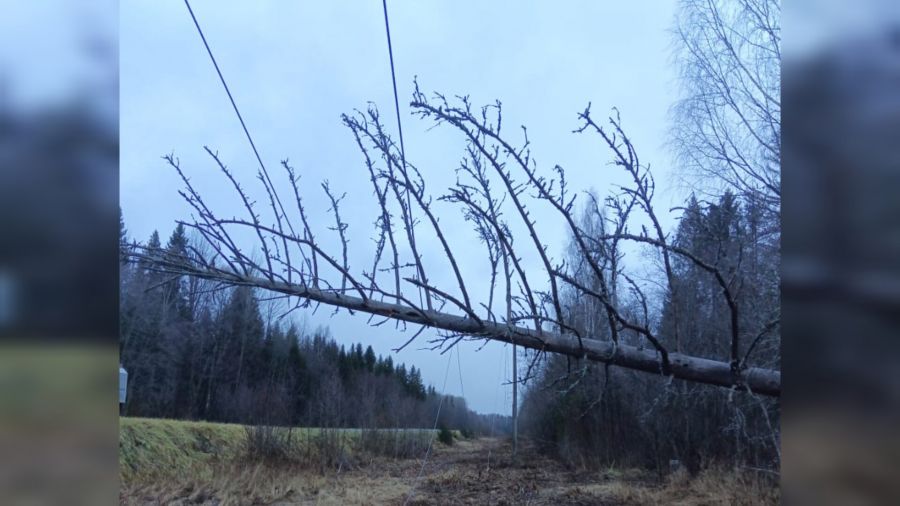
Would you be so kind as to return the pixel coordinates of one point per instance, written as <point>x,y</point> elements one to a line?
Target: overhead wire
<point>237,111</point>
<point>437,417</point>
<point>462,389</point>
<point>387,29</point>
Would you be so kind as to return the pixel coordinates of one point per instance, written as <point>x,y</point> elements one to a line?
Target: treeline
<point>597,415</point>
<point>716,285</point>
<point>195,350</point>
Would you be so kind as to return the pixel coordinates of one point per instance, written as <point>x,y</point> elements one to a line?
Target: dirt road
<point>484,472</point>
<point>477,472</point>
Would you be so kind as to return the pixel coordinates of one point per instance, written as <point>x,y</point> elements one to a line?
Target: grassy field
<point>154,449</point>
<point>177,462</point>
<point>57,419</point>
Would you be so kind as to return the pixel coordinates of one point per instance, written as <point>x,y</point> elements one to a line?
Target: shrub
<point>266,443</point>
<point>445,436</point>
<point>396,443</point>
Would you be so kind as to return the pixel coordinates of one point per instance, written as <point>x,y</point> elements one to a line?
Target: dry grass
<point>473,472</point>
<point>710,487</point>
<point>265,484</point>
<point>157,449</point>
<point>181,462</point>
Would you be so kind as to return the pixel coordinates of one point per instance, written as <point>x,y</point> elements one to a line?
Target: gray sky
<point>294,67</point>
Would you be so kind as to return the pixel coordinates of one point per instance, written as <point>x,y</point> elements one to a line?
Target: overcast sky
<point>294,67</point>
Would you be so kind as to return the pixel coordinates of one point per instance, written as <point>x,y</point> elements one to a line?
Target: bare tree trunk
<point>697,369</point>
<point>515,404</point>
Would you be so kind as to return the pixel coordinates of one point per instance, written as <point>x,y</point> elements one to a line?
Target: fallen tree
<point>297,265</point>
<point>701,370</point>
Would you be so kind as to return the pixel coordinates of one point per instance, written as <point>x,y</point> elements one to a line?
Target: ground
<point>480,471</point>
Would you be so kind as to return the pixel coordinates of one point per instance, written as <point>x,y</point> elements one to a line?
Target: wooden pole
<point>515,403</point>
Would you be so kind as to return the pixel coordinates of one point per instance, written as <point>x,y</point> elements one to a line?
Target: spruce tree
<point>370,359</point>
<point>123,239</point>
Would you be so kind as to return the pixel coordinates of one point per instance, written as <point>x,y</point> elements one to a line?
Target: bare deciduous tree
<point>497,186</point>
<point>727,130</point>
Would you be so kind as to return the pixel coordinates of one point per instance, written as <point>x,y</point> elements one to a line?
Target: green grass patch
<point>154,449</point>
<point>157,448</point>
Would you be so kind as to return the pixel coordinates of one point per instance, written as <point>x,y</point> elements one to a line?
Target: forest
<point>197,351</point>
<point>597,415</point>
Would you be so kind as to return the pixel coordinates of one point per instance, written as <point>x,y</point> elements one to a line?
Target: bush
<point>266,443</point>
<point>396,443</point>
<point>445,436</point>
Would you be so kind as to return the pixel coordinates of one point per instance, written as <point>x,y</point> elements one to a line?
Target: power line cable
<point>437,416</point>
<point>387,29</point>
<point>237,112</point>
<point>459,368</point>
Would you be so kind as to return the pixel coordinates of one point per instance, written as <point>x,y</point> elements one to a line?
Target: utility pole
<point>515,368</point>
<point>515,404</point>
